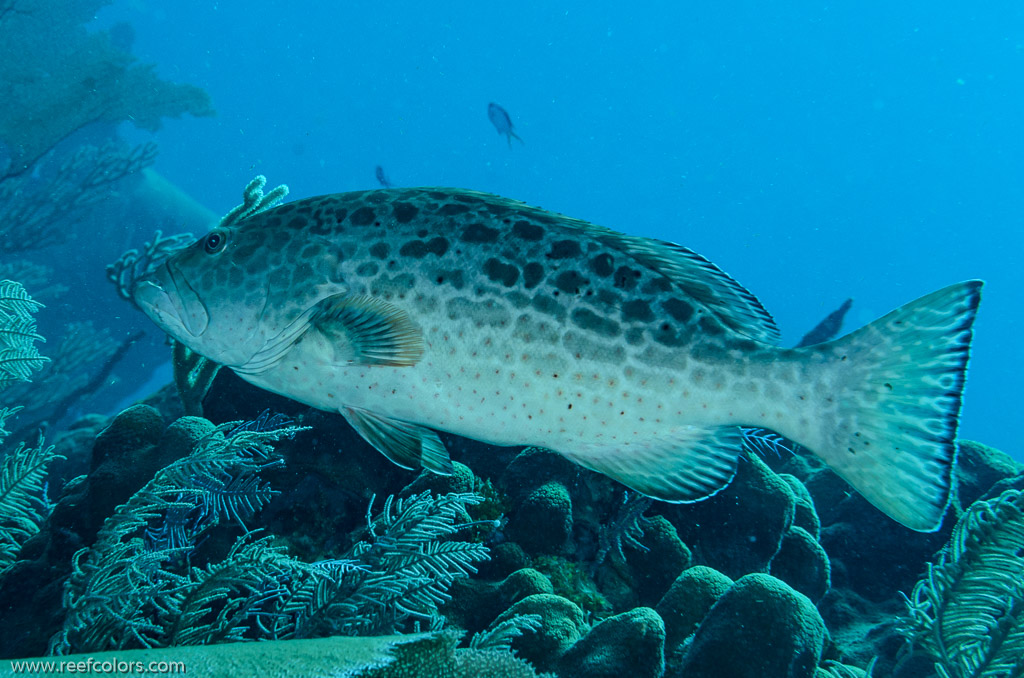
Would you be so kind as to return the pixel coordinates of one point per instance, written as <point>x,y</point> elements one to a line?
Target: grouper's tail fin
<point>902,379</point>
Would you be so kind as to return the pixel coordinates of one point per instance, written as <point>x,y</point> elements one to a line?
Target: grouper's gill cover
<point>415,310</point>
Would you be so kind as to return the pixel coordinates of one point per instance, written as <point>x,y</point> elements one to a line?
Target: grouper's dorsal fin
<point>700,279</point>
<point>732,303</point>
<point>703,281</point>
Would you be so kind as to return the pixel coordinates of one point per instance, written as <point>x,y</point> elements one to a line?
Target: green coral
<point>571,580</point>
<point>968,610</point>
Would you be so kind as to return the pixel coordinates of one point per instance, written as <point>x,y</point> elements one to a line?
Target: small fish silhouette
<point>502,122</point>
<point>382,178</point>
<point>828,328</point>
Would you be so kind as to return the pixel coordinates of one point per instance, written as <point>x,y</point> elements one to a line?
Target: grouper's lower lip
<point>156,303</point>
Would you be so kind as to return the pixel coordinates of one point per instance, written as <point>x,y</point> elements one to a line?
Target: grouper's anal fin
<point>407,445</point>
<point>685,465</point>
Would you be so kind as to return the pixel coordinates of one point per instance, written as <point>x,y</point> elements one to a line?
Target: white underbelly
<point>506,399</point>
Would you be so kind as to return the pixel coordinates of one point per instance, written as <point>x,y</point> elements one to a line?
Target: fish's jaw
<point>156,303</point>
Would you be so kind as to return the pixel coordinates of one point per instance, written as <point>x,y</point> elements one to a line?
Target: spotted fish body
<point>415,310</point>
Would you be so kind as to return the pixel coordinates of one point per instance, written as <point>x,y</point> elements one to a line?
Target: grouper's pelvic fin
<point>900,381</point>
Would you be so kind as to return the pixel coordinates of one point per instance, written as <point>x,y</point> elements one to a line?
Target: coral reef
<point>629,643</point>
<point>202,532</point>
<point>779,630</point>
<point>968,610</point>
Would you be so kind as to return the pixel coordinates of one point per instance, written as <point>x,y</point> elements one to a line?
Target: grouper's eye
<point>215,242</point>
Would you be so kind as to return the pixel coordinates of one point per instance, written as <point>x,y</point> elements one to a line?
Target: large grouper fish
<point>412,310</point>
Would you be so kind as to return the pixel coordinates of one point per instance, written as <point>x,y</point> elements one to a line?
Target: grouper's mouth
<point>167,298</point>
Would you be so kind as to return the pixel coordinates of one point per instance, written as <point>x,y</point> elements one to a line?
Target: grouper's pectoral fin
<point>686,465</point>
<point>346,330</point>
<point>364,330</point>
<point>408,445</point>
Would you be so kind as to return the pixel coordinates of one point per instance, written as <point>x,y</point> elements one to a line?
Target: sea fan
<point>23,502</point>
<point>764,442</point>
<point>132,587</point>
<point>18,354</point>
<point>501,636</point>
<point>138,586</point>
<point>625,527</point>
<point>397,576</point>
<point>968,610</point>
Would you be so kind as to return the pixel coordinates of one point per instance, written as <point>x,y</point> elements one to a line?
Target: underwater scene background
<point>818,153</point>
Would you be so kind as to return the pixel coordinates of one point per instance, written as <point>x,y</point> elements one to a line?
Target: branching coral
<point>145,583</point>
<point>39,212</point>
<point>968,610</point>
<point>78,367</point>
<point>18,354</point>
<point>133,264</point>
<point>399,573</point>
<point>23,502</point>
<point>132,587</point>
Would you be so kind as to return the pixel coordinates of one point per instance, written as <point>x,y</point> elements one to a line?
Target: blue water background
<point>815,151</point>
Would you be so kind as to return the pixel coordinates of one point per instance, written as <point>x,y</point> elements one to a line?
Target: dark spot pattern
<point>657,284</point>
<point>570,282</point>
<point>666,335</point>
<point>637,309</point>
<point>480,233</point>
<point>564,249</point>
<point>452,210</point>
<point>626,278</point>
<point>518,299</point>
<point>370,268</point>
<point>527,231</point>
<point>533,273</point>
<point>709,325</point>
<point>499,271</point>
<point>380,250</point>
<point>419,249</point>
<point>387,286</point>
<point>363,216</point>
<point>588,320</point>
<point>609,297</point>
<point>454,278</point>
<point>548,306</point>
<point>244,253</point>
<point>602,265</point>
<point>678,309</point>
<point>404,212</point>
